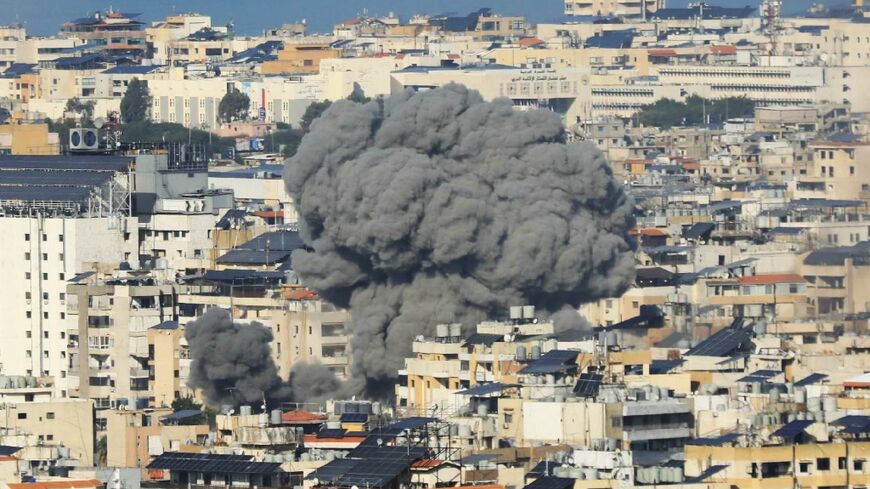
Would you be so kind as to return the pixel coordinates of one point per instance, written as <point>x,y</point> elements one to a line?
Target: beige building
<point>168,364</point>
<point>28,139</point>
<point>299,58</point>
<point>47,428</point>
<point>109,321</point>
<point>135,437</point>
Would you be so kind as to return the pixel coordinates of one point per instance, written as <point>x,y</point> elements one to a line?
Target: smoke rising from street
<point>438,207</point>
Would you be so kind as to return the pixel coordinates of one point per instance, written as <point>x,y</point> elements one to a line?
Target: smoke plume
<point>232,363</point>
<point>439,207</point>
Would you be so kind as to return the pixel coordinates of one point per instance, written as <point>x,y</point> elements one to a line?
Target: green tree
<point>167,132</point>
<point>234,106</point>
<point>101,451</point>
<point>285,141</point>
<point>667,113</point>
<point>136,102</point>
<point>85,110</point>
<point>312,113</point>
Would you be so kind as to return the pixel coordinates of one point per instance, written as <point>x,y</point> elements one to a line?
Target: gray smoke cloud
<point>232,363</point>
<point>439,207</point>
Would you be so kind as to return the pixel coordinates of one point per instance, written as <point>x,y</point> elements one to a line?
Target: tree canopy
<point>315,110</point>
<point>234,106</point>
<point>136,102</point>
<point>668,113</point>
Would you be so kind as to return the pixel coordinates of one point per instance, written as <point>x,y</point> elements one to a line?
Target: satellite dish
<point>380,442</point>
<point>100,122</point>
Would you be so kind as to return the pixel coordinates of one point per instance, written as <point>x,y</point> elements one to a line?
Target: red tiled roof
<point>426,463</point>
<point>723,49</point>
<point>7,458</point>
<point>693,165</point>
<point>268,214</point>
<point>662,53</point>
<point>300,416</point>
<point>771,278</point>
<point>350,22</point>
<point>649,232</point>
<point>529,41</point>
<point>452,56</point>
<point>301,295</point>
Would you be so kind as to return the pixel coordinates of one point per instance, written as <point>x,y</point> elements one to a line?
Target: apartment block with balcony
<point>168,364</point>
<point>108,323</point>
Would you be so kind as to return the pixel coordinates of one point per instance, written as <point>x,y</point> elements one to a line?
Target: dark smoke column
<point>232,363</point>
<point>439,207</point>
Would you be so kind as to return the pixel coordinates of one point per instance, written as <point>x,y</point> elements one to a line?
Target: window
<point>616,422</point>
<point>60,238</point>
<point>45,256</point>
<point>26,275</point>
<point>823,463</point>
<point>45,237</point>
<point>804,467</point>
<point>22,415</point>
<point>841,463</point>
<point>858,465</point>
<point>27,256</point>
<point>26,237</point>
<point>61,276</point>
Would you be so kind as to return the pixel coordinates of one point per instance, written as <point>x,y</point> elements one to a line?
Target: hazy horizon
<point>44,17</point>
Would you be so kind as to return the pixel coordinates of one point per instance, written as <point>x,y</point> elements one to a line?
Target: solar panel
<point>330,433</point>
<point>717,441</point>
<point>553,361</point>
<point>811,379</point>
<point>484,389</point>
<point>411,423</point>
<point>43,178</point>
<point>354,417</point>
<point>551,483</point>
<point>723,342</point>
<point>66,162</point>
<point>34,193</point>
<point>215,463</point>
<point>793,429</point>
<point>588,384</point>
<point>387,453</point>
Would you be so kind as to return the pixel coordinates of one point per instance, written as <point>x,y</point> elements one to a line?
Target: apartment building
<point>49,431</point>
<point>109,322</point>
<point>837,171</point>
<point>168,364</point>
<point>299,58</point>
<point>17,47</point>
<point>53,233</point>
<point>619,8</point>
<point>834,277</point>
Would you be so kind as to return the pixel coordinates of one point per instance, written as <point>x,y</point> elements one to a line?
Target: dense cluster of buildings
<point>738,357</point>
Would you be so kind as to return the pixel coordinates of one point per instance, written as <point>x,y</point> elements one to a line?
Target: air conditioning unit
<point>82,139</point>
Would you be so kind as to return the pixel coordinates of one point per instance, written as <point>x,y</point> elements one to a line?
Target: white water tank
<point>528,312</point>
<point>521,352</point>
<point>830,404</point>
<point>442,330</point>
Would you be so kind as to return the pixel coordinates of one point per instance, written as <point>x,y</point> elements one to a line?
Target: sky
<point>43,17</point>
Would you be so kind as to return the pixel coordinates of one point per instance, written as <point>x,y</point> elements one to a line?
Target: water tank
<point>442,330</point>
<point>333,425</point>
<point>550,345</point>
<point>482,410</point>
<point>789,387</point>
<point>591,474</point>
<point>774,395</point>
<point>263,420</point>
<point>455,330</point>
<point>559,398</point>
<point>664,392</point>
<point>800,395</point>
<point>830,404</point>
<point>516,312</point>
<point>521,352</point>
<point>244,410</point>
<point>652,393</point>
<point>812,416</point>
<point>612,444</point>
<point>536,352</point>
<point>612,339</point>
<point>4,382</point>
<point>756,387</point>
<point>562,471</point>
<point>276,416</point>
<point>376,408</point>
<point>63,452</point>
<point>528,312</point>
<point>814,404</point>
<point>30,381</point>
<point>464,430</point>
<point>550,379</point>
<point>801,416</point>
<point>791,417</point>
